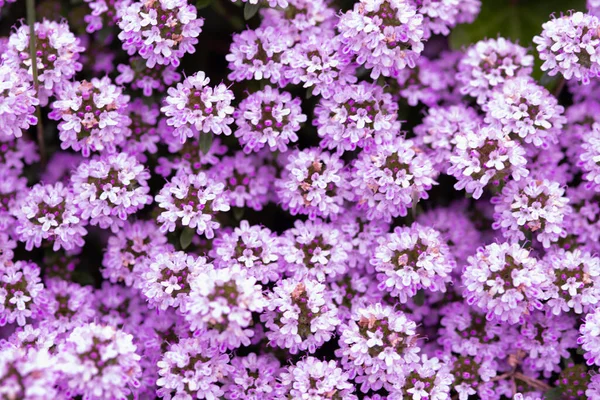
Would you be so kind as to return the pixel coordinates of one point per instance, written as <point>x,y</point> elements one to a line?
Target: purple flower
<point>362,234</point>
<point>248,181</point>
<point>188,157</point>
<point>575,281</point>
<point>574,380</point>
<point>488,64</point>
<point>483,157</point>
<point>15,154</point>
<point>385,35</point>
<point>590,337</point>
<point>7,245</point>
<point>67,305</point>
<point>299,315</point>
<point>456,229</point>
<point>308,18</point>
<point>472,375</point>
<point>18,101</point>
<point>311,378</point>
<point>253,377</point>
<point>466,331</point>
<point>147,80</point>
<point>505,281</point>
<point>166,280</point>
<point>57,55</point>
<point>130,250</point>
<point>21,292</point>
<point>192,369</point>
<point>11,188</point>
<point>549,163</point>
<point>390,178</point>
<point>268,117</point>
<point>430,379</point>
<point>437,134</point>
<point>377,346</point>
<point>546,340</point>
<point>360,115</point>
<point>569,44</point>
<point>257,54</point>
<point>317,63</point>
<point>531,207</point>
<point>109,189</point>
<point>315,249</point>
<point>593,389</point>
<point>272,3</point>
<point>430,82</point>
<point>193,107</point>
<point>48,212</point>
<point>192,200</point>
<point>353,290</point>
<point>220,306</point>
<point>583,226</point>
<point>60,166</point>
<point>412,258</point>
<point>99,362</point>
<point>314,183</point>
<point>104,13</point>
<point>440,15</point>
<point>121,307</point>
<point>590,157</point>
<point>254,248</point>
<point>160,31</point>
<point>146,129</point>
<point>27,374</point>
<point>526,111</point>
<point>93,116</point>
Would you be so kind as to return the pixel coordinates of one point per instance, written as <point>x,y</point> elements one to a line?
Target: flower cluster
<point>357,116</point>
<point>385,35</point>
<point>268,117</point>
<point>486,156</point>
<point>488,64</point>
<point>569,45</point>
<point>20,292</point>
<point>192,201</point>
<point>391,178</point>
<point>410,259</point>
<point>505,281</point>
<point>526,111</point>
<point>531,207</point>
<point>109,189</point>
<point>160,31</point>
<point>57,52</point>
<point>330,200</point>
<point>93,116</point>
<point>193,107</point>
<point>314,183</point>
<point>48,212</point>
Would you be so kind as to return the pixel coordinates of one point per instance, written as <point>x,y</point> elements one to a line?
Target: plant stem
<point>559,87</point>
<point>36,83</point>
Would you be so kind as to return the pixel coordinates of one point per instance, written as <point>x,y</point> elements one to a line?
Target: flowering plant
<point>299,199</point>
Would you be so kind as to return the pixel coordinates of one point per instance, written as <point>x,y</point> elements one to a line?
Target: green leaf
<point>553,394</point>
<point>205,142</point>
<point>419,298</point>
<point>250,10</point>
<point>187,235</point>
<point>200,4</point>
